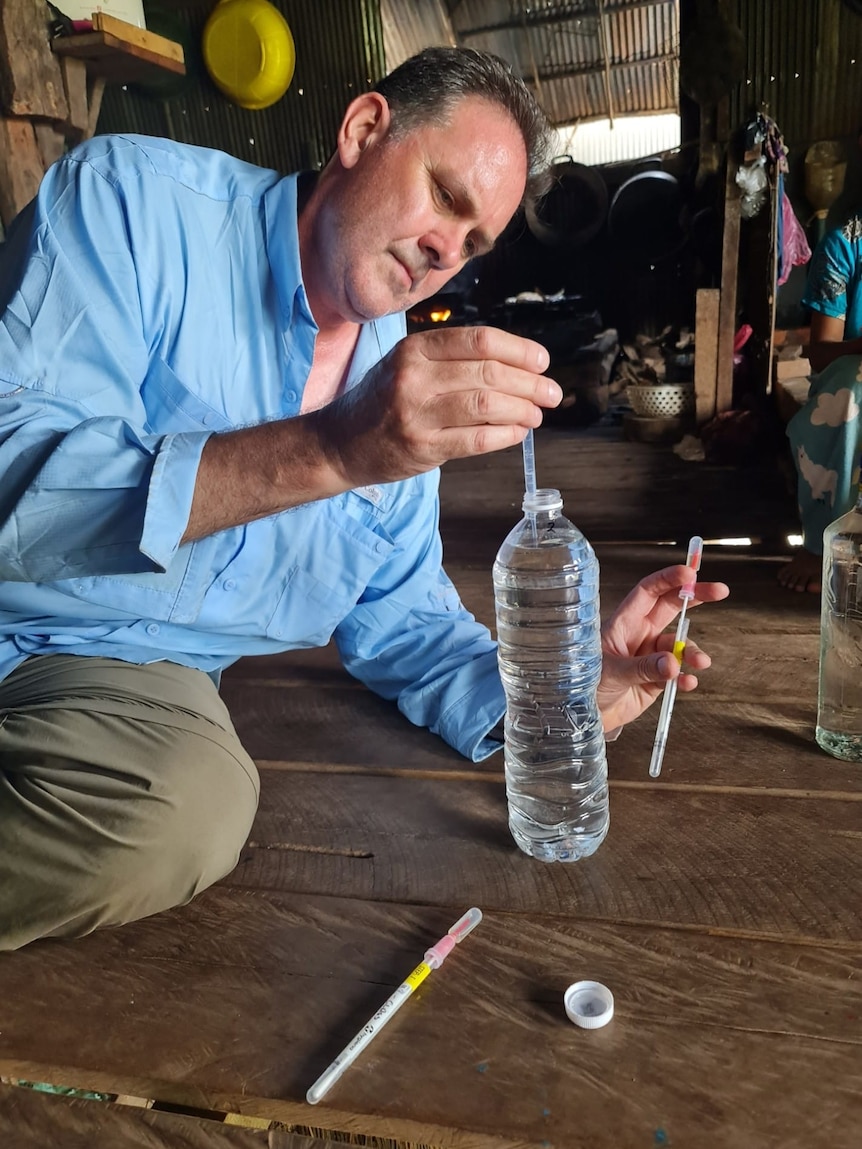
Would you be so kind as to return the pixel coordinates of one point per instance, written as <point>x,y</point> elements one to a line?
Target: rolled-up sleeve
<point>86,488</point>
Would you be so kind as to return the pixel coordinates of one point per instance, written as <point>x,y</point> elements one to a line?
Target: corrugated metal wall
<point>804,67</point>
<point>339,52</point>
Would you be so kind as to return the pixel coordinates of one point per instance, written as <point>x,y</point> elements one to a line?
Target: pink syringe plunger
<point>693,560</point>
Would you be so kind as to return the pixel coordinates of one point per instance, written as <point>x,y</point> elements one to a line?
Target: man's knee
<point>191,840</point>
<point>114,849</point>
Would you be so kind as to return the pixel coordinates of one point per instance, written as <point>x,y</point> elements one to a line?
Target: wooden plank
<point>30,80</point>
<point>346,729</point>
<point>96,89</point>
<point>120,52</point>
<point>706,353</point>
<point>75,84</point>
<point>137,37</point>
<point>35,1120</point>
<point>269,986</point>
<point>21,168</point>
<point>687,857</point>
<point>612,490</point>
<point>727,321</point>
<point>50,141</point>
<point>751,577</point>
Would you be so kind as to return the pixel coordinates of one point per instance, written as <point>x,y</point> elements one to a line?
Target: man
<point>215,442</point>
<point>824,434</point>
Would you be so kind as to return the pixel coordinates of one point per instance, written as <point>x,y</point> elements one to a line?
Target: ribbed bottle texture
<point>546,590</point>
<point>839,708</point>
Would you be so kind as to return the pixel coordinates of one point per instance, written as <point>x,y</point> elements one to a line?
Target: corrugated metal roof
<point>804,67</point>
<point>585,59</point>
<point>342,46</point>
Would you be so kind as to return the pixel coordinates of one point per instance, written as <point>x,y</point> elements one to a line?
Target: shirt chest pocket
<point>172,408</point>
<point>337,558</point>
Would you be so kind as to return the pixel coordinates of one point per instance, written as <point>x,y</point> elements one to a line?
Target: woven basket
<point>662,401</point>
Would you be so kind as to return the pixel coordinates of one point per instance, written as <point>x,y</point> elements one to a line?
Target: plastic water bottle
<point>839,707</point>
<point>546,589</point>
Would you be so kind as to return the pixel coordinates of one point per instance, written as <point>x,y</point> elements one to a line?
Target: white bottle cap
<point>589,1004</point>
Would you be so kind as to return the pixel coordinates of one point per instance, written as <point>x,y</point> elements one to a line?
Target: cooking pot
<point>573,210</point>
<point>645,216</point>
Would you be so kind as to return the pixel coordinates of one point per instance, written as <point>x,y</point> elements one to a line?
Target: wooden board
<point>20,167</point>
<point>120,52</point>
<point>35,1120</point>
<point>269,986</point>
<point>706,353</point>
<point>722,910</point>
<point>728,319</point>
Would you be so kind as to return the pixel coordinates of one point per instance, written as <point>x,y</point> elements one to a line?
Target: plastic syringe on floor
<point>695,554</point>
<point>434,958</point>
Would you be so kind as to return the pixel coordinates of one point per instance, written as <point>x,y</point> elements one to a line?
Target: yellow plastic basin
<point>249,52</point>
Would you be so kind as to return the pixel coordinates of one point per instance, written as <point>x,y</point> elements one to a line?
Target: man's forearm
<point>258,471</point>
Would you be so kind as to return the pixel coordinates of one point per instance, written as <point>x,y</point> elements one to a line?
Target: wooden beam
<point>30,80</point>
<point>706,353</point>
<point>75,83</point>
<point>729,274</point>
<point>21,167</point>
<point>51,142</point>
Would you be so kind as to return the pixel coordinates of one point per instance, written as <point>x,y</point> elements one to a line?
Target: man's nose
<point>444,247</point>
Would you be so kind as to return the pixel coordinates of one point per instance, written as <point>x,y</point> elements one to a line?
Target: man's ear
<point>365,122</point>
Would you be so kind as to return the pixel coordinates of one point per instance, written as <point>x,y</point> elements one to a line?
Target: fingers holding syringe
<point>666,584</point>
<point>693,659</point>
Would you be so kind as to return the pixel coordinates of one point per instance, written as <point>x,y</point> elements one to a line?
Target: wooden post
<point>729,273</point>
<point>21,167</point>
<point>706,353</point>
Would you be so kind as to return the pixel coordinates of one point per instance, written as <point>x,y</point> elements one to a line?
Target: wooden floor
<point>723,910</point>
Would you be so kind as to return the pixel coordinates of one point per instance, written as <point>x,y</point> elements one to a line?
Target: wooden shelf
<point>121,53</point>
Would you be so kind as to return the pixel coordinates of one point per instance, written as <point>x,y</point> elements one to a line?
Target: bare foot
<point>802,573</point>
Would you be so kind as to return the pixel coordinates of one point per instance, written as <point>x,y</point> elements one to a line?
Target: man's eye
<point>446,197</point>
<point>469,248</point>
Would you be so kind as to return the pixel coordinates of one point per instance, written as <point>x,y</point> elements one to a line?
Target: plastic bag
<point>794,246</point>
<point>754,185</point>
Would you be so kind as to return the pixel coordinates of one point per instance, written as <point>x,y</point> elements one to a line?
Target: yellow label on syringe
<point>415,979</point>
<point>678,651</point>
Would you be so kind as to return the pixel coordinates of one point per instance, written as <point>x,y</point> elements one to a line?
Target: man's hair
<point>425,89</point>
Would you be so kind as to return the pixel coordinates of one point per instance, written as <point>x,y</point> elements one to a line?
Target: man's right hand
<point>437,395</point>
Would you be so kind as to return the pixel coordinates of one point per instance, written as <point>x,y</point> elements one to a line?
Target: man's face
<point>412,210</point>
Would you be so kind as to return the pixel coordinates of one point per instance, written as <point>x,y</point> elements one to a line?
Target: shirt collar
<point>282,246</point>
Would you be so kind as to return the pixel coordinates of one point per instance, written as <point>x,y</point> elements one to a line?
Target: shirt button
<point>290,396</point>
<point>153,628</point>
<point>229,584</point>
<point>380,548</point>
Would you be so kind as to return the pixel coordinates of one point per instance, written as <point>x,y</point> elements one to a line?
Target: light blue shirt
<point>833,278</point>
<point>151,296</point>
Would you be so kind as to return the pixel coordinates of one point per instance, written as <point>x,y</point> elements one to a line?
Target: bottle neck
<point>542,506</point>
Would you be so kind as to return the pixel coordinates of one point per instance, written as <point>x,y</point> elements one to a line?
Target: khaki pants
<point>124,790</point>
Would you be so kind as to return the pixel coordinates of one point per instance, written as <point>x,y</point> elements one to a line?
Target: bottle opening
<point>546,499</point>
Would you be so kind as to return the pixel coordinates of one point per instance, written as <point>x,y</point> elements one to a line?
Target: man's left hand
<point>637,660</point>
